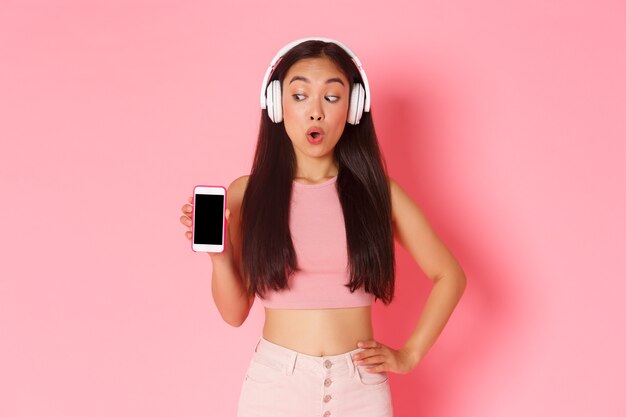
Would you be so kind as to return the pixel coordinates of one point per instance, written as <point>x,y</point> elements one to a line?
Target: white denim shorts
<point>281,382</point>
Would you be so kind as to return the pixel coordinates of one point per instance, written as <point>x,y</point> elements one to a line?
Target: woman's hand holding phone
<point>186,219</point>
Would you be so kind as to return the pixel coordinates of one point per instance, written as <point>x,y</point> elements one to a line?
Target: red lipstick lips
<point>315,135</point>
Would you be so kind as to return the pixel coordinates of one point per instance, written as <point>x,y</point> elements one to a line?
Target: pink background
<point>505,121</point>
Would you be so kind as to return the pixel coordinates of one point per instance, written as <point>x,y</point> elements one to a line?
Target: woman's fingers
<point>381,358</point>
<point>187,210</point>
<point>368,344</point>
<point>372,360</point>
<point>370,347</point>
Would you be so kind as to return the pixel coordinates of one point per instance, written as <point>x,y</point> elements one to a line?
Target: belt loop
<point>291,363</point>
<point>257,344</point>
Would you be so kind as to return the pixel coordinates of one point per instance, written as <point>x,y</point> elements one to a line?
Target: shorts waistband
<point>289,359</point>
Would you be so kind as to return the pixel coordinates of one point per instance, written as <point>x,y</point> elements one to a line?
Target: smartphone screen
<point>208,219</point>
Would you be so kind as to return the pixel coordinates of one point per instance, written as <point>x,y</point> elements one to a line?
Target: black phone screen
<point>208,220</point>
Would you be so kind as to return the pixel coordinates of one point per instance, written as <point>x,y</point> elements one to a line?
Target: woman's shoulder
<point>394,187</point>
<point>236,190</point>
<point>401,201</point>
<point>239,184</point>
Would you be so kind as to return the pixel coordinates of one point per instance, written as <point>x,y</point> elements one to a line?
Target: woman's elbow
<point>236,317</point>
<point>463,282</point>
<point>460,280</point>
<point>455,277</point>
<point>234,322</point>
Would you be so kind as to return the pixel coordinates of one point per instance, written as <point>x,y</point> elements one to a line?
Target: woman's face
<point>316,96</point>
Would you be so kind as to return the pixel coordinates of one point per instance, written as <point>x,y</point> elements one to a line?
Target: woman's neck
<point>316,171</point>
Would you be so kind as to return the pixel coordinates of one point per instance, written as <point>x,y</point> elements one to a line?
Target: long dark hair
<point>268,255</point>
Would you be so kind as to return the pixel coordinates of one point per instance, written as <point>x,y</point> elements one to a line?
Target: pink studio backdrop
<point>504,120</point>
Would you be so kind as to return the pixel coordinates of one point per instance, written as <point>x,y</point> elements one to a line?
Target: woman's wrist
<point>221,260</point>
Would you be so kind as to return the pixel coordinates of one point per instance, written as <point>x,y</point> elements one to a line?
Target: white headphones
<point>271,97</point>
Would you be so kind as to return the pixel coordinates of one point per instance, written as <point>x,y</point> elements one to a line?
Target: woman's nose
<point>316,112</point>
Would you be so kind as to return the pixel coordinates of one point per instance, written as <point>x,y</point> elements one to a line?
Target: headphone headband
<point>291,45</point>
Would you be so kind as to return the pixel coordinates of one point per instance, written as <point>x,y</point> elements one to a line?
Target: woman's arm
<point>413,231</point>
<point>227,286</point>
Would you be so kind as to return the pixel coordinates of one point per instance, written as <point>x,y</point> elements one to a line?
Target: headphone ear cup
<point>274,102</point>
<point>357,103</point>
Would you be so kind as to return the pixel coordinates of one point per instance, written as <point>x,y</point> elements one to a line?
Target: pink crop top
<point>319,239</point>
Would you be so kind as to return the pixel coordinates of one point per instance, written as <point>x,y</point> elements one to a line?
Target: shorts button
<point>327,382</point>
<point>327,398</point>
<point>327,364</point>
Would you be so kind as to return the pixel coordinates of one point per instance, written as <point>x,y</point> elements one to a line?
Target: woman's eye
<point>298,97</point>
<point>332,99</point>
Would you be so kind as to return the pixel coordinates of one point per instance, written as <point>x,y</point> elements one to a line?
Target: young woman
<point>311,234</point>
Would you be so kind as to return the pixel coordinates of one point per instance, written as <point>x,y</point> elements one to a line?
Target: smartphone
<point>209,208</point>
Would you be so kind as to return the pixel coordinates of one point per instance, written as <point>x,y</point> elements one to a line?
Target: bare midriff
<point>318,332</point>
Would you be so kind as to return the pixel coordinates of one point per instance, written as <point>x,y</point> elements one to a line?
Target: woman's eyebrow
<point>306,80</point>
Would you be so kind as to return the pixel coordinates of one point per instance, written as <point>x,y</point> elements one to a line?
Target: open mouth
<point>315,134</point>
